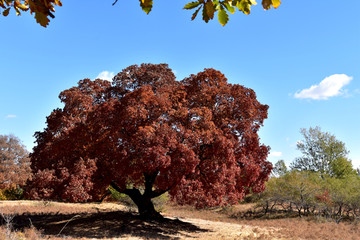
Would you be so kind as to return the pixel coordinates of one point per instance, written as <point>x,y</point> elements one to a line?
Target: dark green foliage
<point>280,168</point>
<point>309,193</point>
<point>323,153</point>
<point>14,193</point>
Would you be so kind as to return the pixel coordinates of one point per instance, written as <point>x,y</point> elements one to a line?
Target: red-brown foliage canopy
<point>196,139</point>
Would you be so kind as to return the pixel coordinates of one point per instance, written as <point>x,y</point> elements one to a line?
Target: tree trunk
<point>143,201</point>
<point>145,206</point>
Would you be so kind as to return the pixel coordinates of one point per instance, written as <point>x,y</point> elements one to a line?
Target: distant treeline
<point>310,193</point>
<point>322,182</point>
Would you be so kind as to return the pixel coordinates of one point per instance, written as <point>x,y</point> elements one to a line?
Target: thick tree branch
<point>108,192</point>
<point>133,193</point>
<point>115,186</point>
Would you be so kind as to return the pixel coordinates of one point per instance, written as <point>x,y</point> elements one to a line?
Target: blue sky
<point>302,59</point>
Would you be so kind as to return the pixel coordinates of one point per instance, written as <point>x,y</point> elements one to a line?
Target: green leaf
<point>216,5</point>
<point>146,5</point>
<point>6,12</point>
<point>223,17</point>
<point>41,19</point>
<point>230,8</point>
<point>192,5</point>
<point>244,6</point>
<point>196,13</point>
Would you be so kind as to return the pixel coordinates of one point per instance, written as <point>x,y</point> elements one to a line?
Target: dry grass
<point>286,228</point>
<point>43,207</point>
<point>45,220</point>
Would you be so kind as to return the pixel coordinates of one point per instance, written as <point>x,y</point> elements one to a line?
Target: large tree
<point>44,9</point>
<point>323,153</point>
<point>146,134</point>
<point>14,162</point>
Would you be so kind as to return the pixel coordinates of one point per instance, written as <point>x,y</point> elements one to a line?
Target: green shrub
<point>310,193</point>
<point>15,193</point>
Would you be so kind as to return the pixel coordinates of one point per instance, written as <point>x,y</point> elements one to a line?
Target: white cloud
<point>106,75</point>
<point>11,116</point>
<point>329,87</point>
<point>356,163</point>
<point>275,154</point>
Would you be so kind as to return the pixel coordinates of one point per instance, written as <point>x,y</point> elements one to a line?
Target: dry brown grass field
<point>52,220</point>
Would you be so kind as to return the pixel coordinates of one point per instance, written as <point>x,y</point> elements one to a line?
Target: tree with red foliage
<point>146,134</point>
<point>14,162</point>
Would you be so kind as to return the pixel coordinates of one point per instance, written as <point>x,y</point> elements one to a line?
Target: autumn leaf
<point>196,13</point>
<point>206,17</point>
<point>6,12</point>
<point>41,19</point>
<point>268,3</point>
<point>22,7</point>
<point>57,2</point>
<point>210,9</point>
<point>276,3</point>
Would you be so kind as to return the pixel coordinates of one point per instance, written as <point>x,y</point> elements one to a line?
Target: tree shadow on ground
<point>105,225</point>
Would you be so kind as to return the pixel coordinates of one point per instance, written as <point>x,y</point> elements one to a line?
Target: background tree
<point>295,190</point>
<point>280,168</point>
<point>322,182</point>
<point>43,8</point>
<point>14,162</point>
<point>323,153</point>
<point>146,134</point>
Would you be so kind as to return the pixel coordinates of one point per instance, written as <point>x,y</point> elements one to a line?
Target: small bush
<point>121,197</point>
<point>14,193</point>
<point>160,202</point>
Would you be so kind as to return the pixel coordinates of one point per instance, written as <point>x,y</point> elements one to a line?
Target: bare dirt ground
<point>51,220</point>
